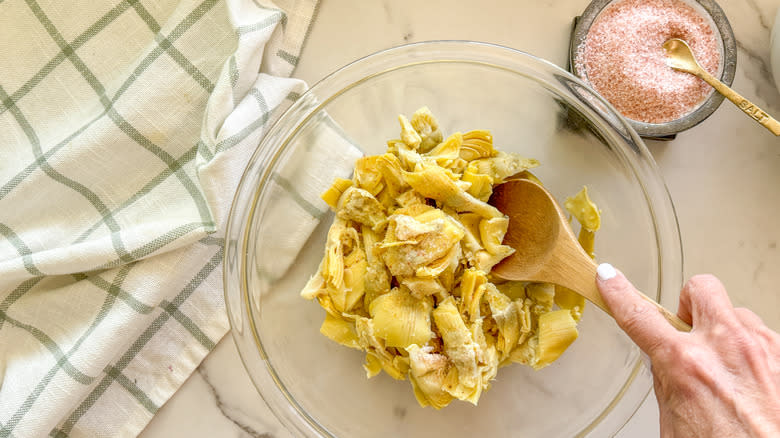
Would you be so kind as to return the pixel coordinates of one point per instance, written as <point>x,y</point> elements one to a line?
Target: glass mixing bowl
<point>318,388</point>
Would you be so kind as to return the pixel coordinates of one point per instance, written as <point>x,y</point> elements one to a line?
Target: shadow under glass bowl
<point>318,388</point>
<point>727,46</point>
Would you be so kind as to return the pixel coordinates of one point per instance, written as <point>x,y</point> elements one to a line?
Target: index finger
<point>639,318</point>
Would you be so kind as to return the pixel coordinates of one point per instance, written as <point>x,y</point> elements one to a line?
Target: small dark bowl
<point>728,67</point>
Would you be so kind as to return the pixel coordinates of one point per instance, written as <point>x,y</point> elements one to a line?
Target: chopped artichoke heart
<point>401,319</point>
<point>481,185</point>
<point>406,278</point>
<point>341,331</point>
<point>422,287</point>
<point>557,330</point>
<point>428,246</point>
<point>427,127</point>
<point>485,261</point>
<point>361,206</point>
<point>492,232</point>
<point>428,372</point>
<point>354,283</point>
<point>315,286</point>
<point>409,136</point>
<point>332,195</point>
<point>581,207</point>
<point>367,174</point>
<point>458,343</point>
<point>504,313</point>
<point>472,286</point>
<point>503,165</point>
<point>334,254</point>
<point>586,238</point>
<point>512,289</point>
<point>568,299</point>
<point>391,169</point>
<point>542,294</point>
<point>373,365</point>
<point>477,144</point>
<point>447,152</point>
<point>377,278</point>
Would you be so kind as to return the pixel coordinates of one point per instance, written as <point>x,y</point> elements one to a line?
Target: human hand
<point>720,380</point>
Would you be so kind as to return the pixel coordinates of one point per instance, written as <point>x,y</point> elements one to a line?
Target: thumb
<point>640,319</point>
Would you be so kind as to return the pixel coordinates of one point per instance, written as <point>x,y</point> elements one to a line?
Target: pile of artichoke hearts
<point>406,272</point>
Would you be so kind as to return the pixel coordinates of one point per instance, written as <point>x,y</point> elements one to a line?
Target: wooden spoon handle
<point>586,282</point>
<point>745,105</point>
<point>673,319</point>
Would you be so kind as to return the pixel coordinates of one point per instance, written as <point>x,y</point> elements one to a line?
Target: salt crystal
<point>623,59</point>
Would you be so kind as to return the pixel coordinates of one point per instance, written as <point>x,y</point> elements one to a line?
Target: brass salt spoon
<point>680,57</point>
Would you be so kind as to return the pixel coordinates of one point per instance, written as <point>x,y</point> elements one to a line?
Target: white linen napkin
<point>124,129</point>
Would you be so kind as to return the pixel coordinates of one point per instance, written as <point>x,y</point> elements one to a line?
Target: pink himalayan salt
<point>623,59</point>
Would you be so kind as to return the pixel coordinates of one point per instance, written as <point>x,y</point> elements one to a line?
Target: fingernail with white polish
<point>605,271</point>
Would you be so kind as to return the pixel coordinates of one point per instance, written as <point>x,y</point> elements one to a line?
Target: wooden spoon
<point>680,57</point>
<point>545,247</point>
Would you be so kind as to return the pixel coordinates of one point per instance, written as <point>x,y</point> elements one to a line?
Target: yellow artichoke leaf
<point>376,351</point>
<point>523,307</point>
<point>341,331</point>
<point>433,182</point>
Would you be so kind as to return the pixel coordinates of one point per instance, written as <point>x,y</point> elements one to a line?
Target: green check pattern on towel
<point>125,126</point>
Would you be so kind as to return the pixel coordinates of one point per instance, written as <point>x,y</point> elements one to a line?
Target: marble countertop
<point>723,175</point>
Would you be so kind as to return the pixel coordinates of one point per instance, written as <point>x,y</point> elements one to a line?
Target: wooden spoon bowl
<point>546,249</point>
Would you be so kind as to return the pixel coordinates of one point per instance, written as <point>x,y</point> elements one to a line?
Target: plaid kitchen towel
<point>124,128</point>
